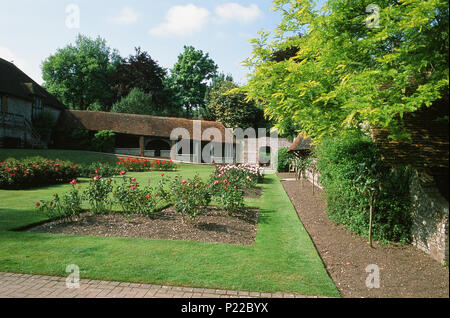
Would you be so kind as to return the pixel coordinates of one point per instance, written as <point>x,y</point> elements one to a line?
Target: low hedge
<point>36,172</point>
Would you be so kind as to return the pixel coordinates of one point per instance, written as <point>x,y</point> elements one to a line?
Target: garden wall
<point>429,217</point>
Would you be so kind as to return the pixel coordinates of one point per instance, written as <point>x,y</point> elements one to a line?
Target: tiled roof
<point>16,83</point>
<point>428,147</point>
<point>132,124</point>
<point>301,142</point>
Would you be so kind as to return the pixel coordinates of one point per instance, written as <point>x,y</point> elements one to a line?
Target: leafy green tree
<point>136,102</point>
<point>231,108</point>
<point>79,74</point>
<point>352,67</point>
<point>140,71</point>
<point>189,78</point>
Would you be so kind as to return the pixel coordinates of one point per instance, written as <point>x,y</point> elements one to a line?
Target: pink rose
<point>148,196</point>
<point>123,172</point>
<point>183,181</point>
<point>133,179</point>
<point>162,174</point>
<point>216,182</point>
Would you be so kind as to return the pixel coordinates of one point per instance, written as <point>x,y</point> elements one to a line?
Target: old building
<point>22,99</point>
<point>426,152</point>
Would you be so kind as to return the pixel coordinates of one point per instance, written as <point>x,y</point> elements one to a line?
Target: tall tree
<point>140,71</point>
<point>189,78</point>
<point>230,107</point>
<point>356,64</point>
<point>79,74</point>
<point>136,102</point>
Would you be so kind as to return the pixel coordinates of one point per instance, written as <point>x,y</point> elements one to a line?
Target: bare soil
<point>214,226</point>
<point>405,271</point>
<point>254,193</point>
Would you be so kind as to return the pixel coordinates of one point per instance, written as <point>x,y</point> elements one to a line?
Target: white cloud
<point>182,21</point>
<point>127,16</point>
<point>232,11</point>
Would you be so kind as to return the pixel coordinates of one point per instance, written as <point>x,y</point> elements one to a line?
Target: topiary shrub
<point>338,162</point>
<point>284,160</point>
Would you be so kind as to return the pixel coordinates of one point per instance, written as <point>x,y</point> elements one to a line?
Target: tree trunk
<point>313,182</point>
<point>370,219</point>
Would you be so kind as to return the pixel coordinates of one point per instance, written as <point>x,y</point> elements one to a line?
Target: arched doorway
<point>264,156</point>
<point>159,148</point>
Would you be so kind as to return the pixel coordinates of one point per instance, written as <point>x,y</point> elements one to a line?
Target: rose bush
<point>36,172</point>
<point>98,195</point>
<point>66,206</point>
<point>141,165</point>
<point>133,198</point>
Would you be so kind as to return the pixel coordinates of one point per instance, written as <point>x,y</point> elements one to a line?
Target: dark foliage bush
<point>104,141</point>
<point>337,162</point>
<point>284,160</point>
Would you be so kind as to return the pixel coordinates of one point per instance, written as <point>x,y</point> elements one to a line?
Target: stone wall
<point>429,217</point>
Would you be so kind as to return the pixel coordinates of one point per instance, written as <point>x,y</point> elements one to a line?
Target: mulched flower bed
<point>405,271</point>
<point>214,226</point>
<point>254,193</point>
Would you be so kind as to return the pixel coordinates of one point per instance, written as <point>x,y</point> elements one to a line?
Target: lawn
<point>282,259</point>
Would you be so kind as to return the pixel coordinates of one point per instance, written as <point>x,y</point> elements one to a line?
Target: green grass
<point>75,156</point>
<point>283,257</point>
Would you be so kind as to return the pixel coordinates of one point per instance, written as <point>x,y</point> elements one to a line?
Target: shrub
<point>227,192</point>
<point>140,165</point>
<point>104,141</point>
<point>101,169</point>
<point>338,162</point>
<point>97,194</point>
<point>66,206</point>
<point>245,176</point>
<point>135,199</point>
<point>190,196</point>
<point>284,160</point>
<point>36,172</point>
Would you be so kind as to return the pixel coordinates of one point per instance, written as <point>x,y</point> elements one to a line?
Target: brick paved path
<point>38,286</point>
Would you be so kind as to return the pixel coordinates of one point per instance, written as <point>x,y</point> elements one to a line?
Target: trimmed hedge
<point>338,160</point>
<point>36,172</point>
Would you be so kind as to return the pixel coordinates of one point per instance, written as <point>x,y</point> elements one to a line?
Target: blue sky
<point>32,30</point>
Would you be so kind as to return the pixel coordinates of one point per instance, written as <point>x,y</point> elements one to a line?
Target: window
<point>3,104</point>
<point>37,106</point>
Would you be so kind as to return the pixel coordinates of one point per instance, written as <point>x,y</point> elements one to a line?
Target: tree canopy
<point>79,74</point>
<point>140,71</point>
<point>230,107</point>
<point>353,66</point>
<point>136,102</point>
<point>189,78</point>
